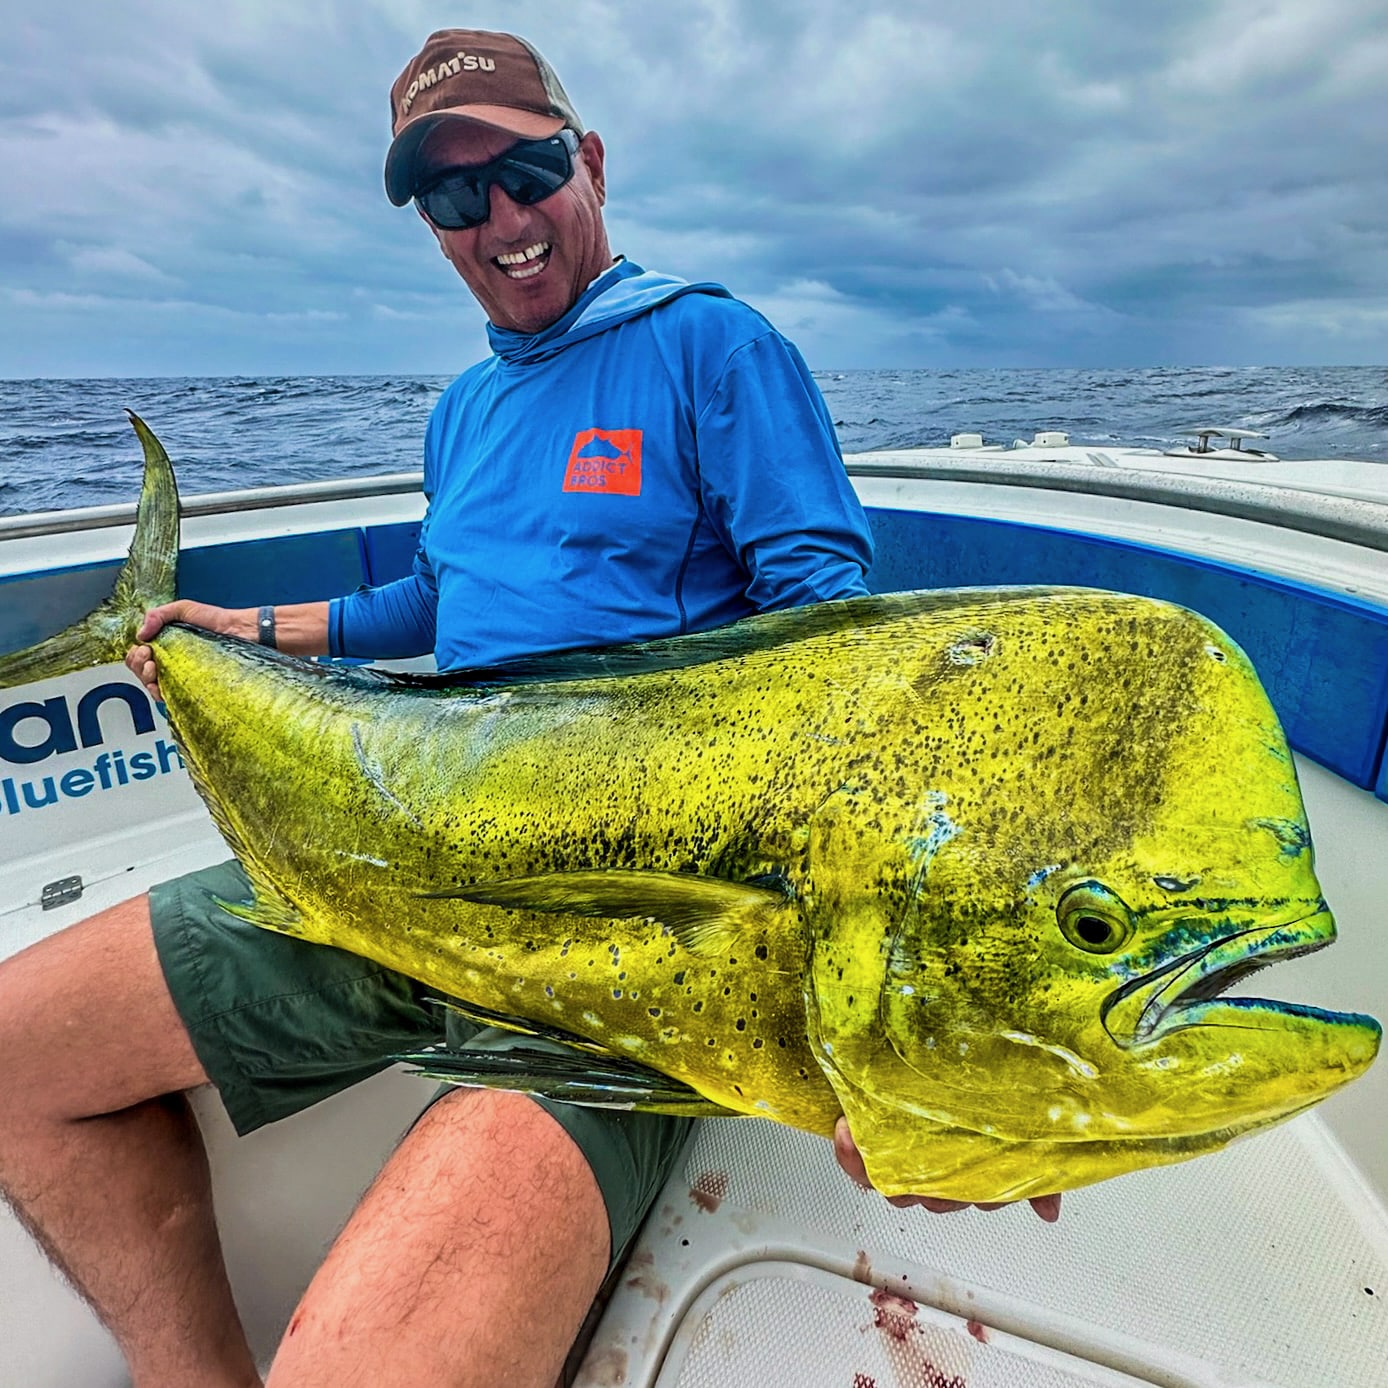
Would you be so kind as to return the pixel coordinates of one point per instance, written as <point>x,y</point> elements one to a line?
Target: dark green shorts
<point>279,1024</point>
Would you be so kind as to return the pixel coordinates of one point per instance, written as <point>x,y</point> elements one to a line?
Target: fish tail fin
<point>147,579</point>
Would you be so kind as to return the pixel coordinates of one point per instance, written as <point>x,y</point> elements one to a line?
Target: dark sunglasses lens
<point>459,199</point>
<point>533,171</point>
<point>528,172</point>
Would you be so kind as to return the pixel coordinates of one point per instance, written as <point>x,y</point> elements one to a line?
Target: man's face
<point>526,265</point>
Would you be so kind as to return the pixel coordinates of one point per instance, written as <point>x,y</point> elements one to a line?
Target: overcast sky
<point>195,189</point>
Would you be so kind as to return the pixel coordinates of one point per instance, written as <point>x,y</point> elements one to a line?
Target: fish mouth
<point>1174,996</point>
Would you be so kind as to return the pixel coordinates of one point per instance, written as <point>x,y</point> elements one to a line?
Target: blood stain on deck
<point>708,1190</point>
<point>895,1317</point>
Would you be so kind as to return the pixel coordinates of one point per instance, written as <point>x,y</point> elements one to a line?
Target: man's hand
<point>232,622</point>
<point>851,1159</point>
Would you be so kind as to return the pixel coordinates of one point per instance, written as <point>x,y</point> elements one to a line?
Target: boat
<point>1265,1264</point>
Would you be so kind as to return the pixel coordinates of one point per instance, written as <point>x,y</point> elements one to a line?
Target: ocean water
<point>67,443</point>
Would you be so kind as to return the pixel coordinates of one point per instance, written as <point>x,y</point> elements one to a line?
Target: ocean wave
<point>1333,411</point>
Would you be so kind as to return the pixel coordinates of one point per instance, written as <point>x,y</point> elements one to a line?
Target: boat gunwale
<point>1357,521</point>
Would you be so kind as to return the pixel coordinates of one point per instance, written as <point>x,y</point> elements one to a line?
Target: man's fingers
<point>851,1160</point>
<point>848,1155</point>
<point>139,661</point>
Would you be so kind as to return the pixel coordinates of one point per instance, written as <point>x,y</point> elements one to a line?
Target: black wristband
<point>265,627</point>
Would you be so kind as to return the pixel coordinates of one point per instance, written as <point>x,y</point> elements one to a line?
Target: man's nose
<point>507,216</point>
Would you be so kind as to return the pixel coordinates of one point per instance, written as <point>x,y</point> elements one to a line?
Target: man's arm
<point>773,481</point>
<point>300,629</point>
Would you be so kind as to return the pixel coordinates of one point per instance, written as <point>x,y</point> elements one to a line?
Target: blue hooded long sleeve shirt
<point>657,461</point>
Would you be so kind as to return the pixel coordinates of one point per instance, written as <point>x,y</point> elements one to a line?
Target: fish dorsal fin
<point>707,915</point>
<point>762,632</point>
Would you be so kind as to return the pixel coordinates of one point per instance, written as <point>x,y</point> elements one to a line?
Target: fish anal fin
<point>519,1026</point>
<point>708,915</point>
<point>550,1073</point>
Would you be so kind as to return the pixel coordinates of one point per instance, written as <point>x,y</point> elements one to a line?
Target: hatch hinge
<point>59,893</point>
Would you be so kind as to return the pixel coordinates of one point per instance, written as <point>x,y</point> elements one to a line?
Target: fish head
<point>1051,965</point>
<point>1101,1012</point>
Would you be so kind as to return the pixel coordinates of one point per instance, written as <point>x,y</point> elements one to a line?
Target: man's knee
<point>87,1025</point>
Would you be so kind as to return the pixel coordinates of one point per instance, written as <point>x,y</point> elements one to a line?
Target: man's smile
<point>521,265</point>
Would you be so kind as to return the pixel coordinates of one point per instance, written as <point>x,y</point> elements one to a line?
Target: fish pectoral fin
<point>707,915</point>
<point>266,910</point>
<point>577,1079</point>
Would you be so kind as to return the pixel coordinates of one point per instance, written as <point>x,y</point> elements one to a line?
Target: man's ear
<point>594,157</point>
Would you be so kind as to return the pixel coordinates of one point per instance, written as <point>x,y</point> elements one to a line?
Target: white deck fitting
<point>778,1322</point>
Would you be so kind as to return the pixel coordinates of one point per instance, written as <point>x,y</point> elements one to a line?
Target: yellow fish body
<point>971,867</point>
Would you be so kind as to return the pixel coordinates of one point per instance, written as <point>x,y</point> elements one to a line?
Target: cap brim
<point>404,148</point>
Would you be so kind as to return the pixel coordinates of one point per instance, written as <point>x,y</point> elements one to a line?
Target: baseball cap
<point>494,79</point>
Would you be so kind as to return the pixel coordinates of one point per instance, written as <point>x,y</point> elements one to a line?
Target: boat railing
<point>1357,521</point>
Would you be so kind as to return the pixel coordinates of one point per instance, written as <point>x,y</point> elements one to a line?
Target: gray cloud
<point>198,189</point>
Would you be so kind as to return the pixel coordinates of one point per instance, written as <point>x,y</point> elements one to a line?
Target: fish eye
<point>1094,919</point>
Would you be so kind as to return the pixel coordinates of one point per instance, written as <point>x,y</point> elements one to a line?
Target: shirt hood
<point>617,295</point>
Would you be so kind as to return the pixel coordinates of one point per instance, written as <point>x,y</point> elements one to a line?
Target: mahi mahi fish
<point>974,868</point>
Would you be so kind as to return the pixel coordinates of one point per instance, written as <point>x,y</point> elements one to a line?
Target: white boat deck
<point>1265,1265</point>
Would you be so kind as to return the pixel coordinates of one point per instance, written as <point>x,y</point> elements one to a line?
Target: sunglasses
<point>459,198</point>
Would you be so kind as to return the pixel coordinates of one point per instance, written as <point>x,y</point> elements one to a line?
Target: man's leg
<point>472,1260</point>
<point>100,1155</point>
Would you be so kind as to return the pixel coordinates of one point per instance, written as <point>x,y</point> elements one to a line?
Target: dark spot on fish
<point>679,977</point>
<point>761,952</point>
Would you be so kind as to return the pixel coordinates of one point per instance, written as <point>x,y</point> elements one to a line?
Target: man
<point>639,457</point>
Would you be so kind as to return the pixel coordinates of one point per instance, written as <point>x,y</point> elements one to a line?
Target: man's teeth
<point>520,265</point>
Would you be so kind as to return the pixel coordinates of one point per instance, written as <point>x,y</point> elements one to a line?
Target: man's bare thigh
<point>87,1025</point>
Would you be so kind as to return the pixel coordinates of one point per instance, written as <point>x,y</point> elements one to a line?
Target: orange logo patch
<point>605,460</point>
